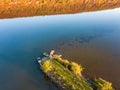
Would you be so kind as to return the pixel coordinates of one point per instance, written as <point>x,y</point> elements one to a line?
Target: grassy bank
<point>20,8</point>
<point>68,75</point>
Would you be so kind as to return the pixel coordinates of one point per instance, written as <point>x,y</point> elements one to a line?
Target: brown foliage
<point>18,8</point>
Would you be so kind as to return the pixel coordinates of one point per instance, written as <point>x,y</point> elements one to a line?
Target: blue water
<point>91,39</point>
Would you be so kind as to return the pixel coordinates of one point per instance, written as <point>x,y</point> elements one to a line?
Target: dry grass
<point>20,8</point>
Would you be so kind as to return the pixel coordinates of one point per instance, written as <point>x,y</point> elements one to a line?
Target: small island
<point>68,75</point>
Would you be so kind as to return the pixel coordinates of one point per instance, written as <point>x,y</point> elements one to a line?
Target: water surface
<point>91,39</point>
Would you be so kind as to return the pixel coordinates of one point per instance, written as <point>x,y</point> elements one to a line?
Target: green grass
<point>56,69</point>
<point>68,79</point>
<point>102,84</point>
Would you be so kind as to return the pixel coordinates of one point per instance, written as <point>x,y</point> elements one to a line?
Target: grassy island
<point>22,8</point>
<point>68,75</point>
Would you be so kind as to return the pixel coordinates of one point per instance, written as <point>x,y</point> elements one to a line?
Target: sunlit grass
<point>69,76</point>
<point>17,8</point>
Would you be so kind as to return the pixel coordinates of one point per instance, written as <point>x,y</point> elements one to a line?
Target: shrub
<point>46,65</point>
<point>64,62</point>
<point>76,69</point>
<point>102,84</point>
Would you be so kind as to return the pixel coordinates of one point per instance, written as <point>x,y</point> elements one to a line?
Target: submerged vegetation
<point>68,75</point>
<point>18,8</point>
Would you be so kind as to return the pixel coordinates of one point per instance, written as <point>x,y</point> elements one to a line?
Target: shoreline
<point>37,8</point>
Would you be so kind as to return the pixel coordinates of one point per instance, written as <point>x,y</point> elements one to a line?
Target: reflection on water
<point>91,39</point>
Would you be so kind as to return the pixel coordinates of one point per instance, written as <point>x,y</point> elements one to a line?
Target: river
<point>91,39</point>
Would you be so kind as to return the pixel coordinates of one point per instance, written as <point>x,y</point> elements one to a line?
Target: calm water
<point>91,39</point>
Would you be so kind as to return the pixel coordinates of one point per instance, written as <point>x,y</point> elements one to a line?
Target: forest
<point>22,8</point>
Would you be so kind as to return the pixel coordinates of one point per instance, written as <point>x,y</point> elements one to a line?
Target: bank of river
<point>25,8</point>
